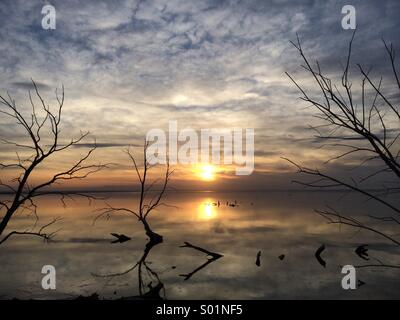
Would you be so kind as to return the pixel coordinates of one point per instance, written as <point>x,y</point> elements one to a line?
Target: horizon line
<point>88,191</point>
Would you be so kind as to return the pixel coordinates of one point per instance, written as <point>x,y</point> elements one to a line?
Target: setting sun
<point>207,172</point>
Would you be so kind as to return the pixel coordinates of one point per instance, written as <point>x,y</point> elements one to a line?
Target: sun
<point>207,172</point>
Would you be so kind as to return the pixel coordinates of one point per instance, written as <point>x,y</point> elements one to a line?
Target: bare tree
<point>366,124</point>
<point>151,194</point>
<point>42,134</point>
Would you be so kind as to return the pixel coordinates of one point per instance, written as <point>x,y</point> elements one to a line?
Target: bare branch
<point>37,126</point>
<point>40,233</point>
<point>370,133</point>
<point>334,217</point>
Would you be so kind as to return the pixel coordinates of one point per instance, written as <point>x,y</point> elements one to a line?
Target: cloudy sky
<point>130,66</point>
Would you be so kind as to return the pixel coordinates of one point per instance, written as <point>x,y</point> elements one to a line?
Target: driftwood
<point>208,253</point>
<point>213,256</point>
<point>120,238</point>
<point>318,255</point>
<point>258,259</point>
<point>362,251</point>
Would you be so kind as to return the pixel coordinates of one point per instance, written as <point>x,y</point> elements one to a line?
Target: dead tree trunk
<point>154,237</point>
<point>41,125</point>
<point>150,197</point>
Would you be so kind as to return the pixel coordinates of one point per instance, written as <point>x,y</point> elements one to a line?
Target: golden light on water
<point>207,210</point>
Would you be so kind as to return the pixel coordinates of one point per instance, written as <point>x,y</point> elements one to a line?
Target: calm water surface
<point>274,223</point>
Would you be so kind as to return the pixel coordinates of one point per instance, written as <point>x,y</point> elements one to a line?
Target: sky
<point>131,66</point>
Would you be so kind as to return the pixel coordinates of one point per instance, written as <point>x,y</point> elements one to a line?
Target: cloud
<point>129,66</point>
<point>25,85</point>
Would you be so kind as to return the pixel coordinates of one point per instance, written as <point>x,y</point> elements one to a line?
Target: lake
<point>274,222</point>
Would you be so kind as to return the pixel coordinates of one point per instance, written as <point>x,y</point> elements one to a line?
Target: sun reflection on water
<point>207,210</point>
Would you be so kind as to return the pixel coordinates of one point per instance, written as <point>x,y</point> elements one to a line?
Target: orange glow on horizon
<point>206,172</point>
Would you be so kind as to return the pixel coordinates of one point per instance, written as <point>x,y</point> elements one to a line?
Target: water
<point>274,223</point>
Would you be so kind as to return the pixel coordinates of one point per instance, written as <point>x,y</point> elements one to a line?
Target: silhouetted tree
<point>151,194</point>
<point>366,124</point>
<point>42,142</point>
